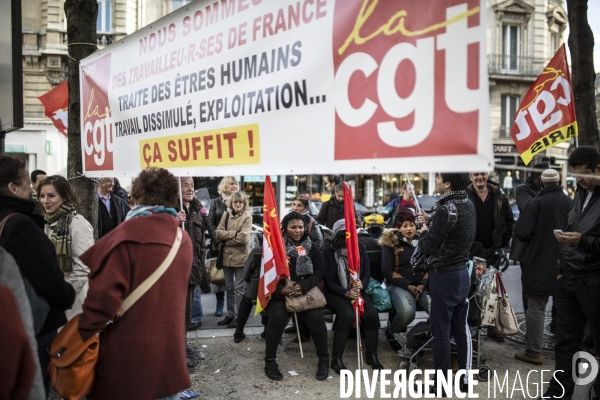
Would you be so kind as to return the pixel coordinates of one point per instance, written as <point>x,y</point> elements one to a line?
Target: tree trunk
<point>581,46</point>
<point>81,30</point>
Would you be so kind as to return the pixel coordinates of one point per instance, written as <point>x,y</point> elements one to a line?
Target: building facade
<point>522,36</point>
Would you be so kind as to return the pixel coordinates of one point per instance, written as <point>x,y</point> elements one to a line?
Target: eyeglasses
<point>238,202</point>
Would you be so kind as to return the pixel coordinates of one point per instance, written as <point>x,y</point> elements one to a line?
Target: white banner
<point>239,87</point>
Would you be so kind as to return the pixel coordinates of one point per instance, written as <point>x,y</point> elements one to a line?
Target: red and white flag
<point>273,266</point>
<point>56,104</point>
<point>352,246</point>
<point>546,116</point>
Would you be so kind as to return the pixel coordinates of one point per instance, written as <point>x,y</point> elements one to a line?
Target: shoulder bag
<point>73,360</point>
<point>219,264</point>
<point>311,299</point>
<point>380,295</point>
<point>39,305</point>
<point>506,321</point>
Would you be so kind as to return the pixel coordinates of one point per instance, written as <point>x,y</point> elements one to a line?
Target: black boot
<point>322,368</point>
<point>339,344</point>
<point>371,337</point>
<point>272,369</point>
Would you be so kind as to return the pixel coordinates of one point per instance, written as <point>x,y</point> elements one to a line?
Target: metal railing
<point>515,65</point>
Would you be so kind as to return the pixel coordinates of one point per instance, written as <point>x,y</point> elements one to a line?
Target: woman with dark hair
<point>407,287</point>
<point>149,338</point>
<point>23,237</point>
<point>227,187</point>
<point>341,290</point>
<point>234,230</point>
<point>306,271</point>
<point>300,205</point>
<point>69,232</point>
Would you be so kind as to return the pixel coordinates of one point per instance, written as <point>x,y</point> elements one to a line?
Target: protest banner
<point>263,87</point>
<point>546,116</point>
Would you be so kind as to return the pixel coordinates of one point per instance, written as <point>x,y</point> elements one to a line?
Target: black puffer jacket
<point>395,260</point>
<point>215,213</point>
<point>583,260</point>
<point>456,250</point>
<point>24,238</point>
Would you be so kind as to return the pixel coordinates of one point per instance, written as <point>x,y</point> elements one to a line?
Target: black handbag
<point>222,246</point>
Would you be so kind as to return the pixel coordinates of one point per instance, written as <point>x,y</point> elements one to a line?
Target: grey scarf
<point>304,265</point>
<point>341,257</point>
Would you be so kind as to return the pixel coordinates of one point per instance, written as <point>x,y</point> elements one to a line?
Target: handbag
<point>489,309</point>
<point>39,305</point>
<point>215,276</point>
<point>379,295</point>
<point>309,300</point>
<point>219,264</point>
<point>73,360</point>
<point>506,321</point>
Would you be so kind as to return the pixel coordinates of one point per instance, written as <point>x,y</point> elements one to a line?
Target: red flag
<point>352,245</point>
<point>546,115</point>
<point>56,104</point>
<point>273,266</point>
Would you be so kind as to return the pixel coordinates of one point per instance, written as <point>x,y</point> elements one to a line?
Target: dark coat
<point>252,274</point>
<point>121,209</point>
<point>24,238</point>
<point>535,226</point>
<point>306,282</point>
<point>142,354</point>
<point>504,219</point>
<point>583,260</point>
<point>215,213</point>
<point>524,194</point>
<point>330,213</point>
<point>195,228</point>
<point>332,282</point>
<point>371,244</point>
<point>395,261</point>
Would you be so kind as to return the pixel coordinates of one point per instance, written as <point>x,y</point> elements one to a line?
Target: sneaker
<point>400,338</point>
<point>539,360</point>
<point>272,369</point>
<point>238,338</point>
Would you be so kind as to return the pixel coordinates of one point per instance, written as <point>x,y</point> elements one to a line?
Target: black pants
<point>243,314</point>
<point>345,315</point>
<point>449,309</point>
<point>278,319</point>
<point>575,299</point>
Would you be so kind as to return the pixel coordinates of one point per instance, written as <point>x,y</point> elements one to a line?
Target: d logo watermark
<point>586,371</point>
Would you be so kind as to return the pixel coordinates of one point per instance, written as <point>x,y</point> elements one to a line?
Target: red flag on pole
<point>56,104</point>
<point>352,244</point>
<point>546,116</point>
<point>273,266</point>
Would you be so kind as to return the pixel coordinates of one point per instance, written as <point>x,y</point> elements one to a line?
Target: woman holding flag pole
<point>347,274</point>
<point>306,270</point>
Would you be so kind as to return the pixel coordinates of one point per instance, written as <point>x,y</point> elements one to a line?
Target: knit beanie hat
<point>550,175</point>
<point>339,225</point>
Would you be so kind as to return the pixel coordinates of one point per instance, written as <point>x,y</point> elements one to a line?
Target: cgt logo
<point>407,79</point>
<point>98,136</point>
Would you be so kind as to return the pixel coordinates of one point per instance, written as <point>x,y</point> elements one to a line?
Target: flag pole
<point>412,188</point>
<point>180,200</point>
<point>298,332</point>
<point>358,344</point>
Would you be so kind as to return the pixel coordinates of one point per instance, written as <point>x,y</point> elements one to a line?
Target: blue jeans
<point>406,307</point>
<point>197,306</point>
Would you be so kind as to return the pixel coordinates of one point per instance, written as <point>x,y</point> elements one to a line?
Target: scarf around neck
<point>61,235</point>
<point>141,210</point>
<point>304,265</point>
<point>334,202</point>
<point>341,258</point>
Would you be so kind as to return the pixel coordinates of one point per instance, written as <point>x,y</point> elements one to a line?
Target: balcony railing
<point>515,65</point>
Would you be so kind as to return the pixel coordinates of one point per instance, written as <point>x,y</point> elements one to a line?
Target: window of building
<point>175,4</point>
<point>554,43</point>
<point>508,108</point>
<point>511,45</point>
<point>104,22</point>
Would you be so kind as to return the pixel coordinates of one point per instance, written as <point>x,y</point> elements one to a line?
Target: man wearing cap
<point>535,227</point>
<point>577,295</point>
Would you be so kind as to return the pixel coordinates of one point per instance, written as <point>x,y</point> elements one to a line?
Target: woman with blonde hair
<point>226,188</point>
<point>234,230</point>
<point>70,233</point>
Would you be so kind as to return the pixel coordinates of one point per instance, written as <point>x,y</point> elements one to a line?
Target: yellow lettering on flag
<point>560,135</point>
<point>237,145</point>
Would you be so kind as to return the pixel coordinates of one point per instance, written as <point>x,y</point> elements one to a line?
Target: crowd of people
<point>54,268</point>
